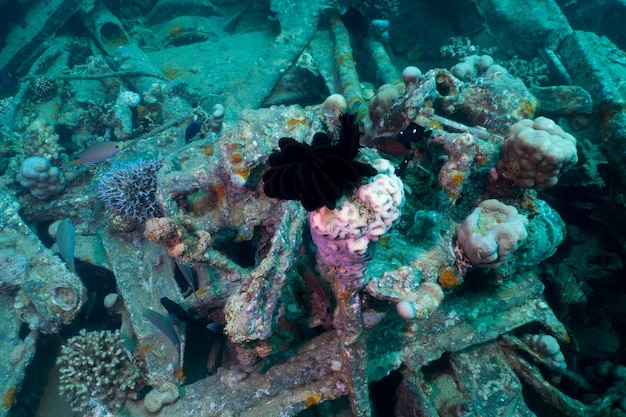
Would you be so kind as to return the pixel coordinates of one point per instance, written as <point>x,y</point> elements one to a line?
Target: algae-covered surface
<point>330,208</point>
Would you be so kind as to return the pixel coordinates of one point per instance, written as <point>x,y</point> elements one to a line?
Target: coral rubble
<point>336,221</point>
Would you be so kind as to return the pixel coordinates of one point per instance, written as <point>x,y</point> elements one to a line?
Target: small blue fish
<point>192,130</point>
<point>97,152</point>
<point>7,78</point>
<point>66,242</point>
<point>187,272</point>
<point>183,315</point>
<point>165,326</point>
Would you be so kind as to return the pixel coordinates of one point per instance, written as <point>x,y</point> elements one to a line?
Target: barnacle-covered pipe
<point>349,324</point>
<point>386,69</point>
<point>349,78</point>
<point>49,296</point>
<point>251,312</point>
<point>110,34</point>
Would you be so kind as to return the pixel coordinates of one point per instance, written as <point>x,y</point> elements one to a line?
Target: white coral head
<point>536,152</point>
<point>129,98</point>
<point>491,233</point>
<point>421,304</point>
<point>410,75</point>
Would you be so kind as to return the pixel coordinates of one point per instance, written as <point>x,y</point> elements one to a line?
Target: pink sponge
<point>345,235</point>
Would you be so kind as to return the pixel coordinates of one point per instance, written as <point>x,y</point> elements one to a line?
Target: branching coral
<point>96,368</point>
<point>316,174</point>
<point>42,89</point>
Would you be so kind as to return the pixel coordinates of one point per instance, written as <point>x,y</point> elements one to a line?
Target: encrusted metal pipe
<point>346,68</point>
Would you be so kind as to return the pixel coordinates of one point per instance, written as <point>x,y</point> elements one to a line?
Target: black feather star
<point>320,173</point>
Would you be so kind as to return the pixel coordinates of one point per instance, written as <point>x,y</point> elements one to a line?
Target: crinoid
<point>317,174</point>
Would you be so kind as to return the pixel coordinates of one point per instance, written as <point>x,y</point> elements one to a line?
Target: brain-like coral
<point>97,369</point>
<point>343,235</point>
<point>491,233</point>
<point>536,152</point>
<point>40,177</point>
<point>129,190</point>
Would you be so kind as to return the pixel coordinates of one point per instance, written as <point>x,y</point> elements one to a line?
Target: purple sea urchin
<point>129,189</point>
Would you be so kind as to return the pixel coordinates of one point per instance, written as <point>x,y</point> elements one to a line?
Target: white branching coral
<point>96,368</point>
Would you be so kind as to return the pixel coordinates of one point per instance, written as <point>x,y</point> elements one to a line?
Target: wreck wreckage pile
<point>379,273</point>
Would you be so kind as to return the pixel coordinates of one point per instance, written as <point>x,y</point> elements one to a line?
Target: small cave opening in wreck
<point>205,351</point>
<point>24,331</point>
<point>35,395</point>
<point>65,138</point>
<point>241,252</point>
<point>337,407</point>
<point>41,229</point>
<point>99,283</point>
<point>383,393</point>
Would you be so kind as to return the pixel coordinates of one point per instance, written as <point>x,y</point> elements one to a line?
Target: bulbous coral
<point>547,349</point>
<point>536,152</point>
<point>40,177</point>
<point>491,233</point>
<point>129,190</point>
<point>167,393</point>
<point>316,174</point>
<point>421,304</point>
<point>380,104</point>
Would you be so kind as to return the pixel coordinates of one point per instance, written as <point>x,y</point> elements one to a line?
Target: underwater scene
<point>332,208</point>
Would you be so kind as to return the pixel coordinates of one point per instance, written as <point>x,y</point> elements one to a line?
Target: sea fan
<point>317,174</point>
<point>129,189</point>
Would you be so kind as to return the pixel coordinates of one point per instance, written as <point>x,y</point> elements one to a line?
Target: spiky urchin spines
<point>317,174</point>
<point>129,189</point>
